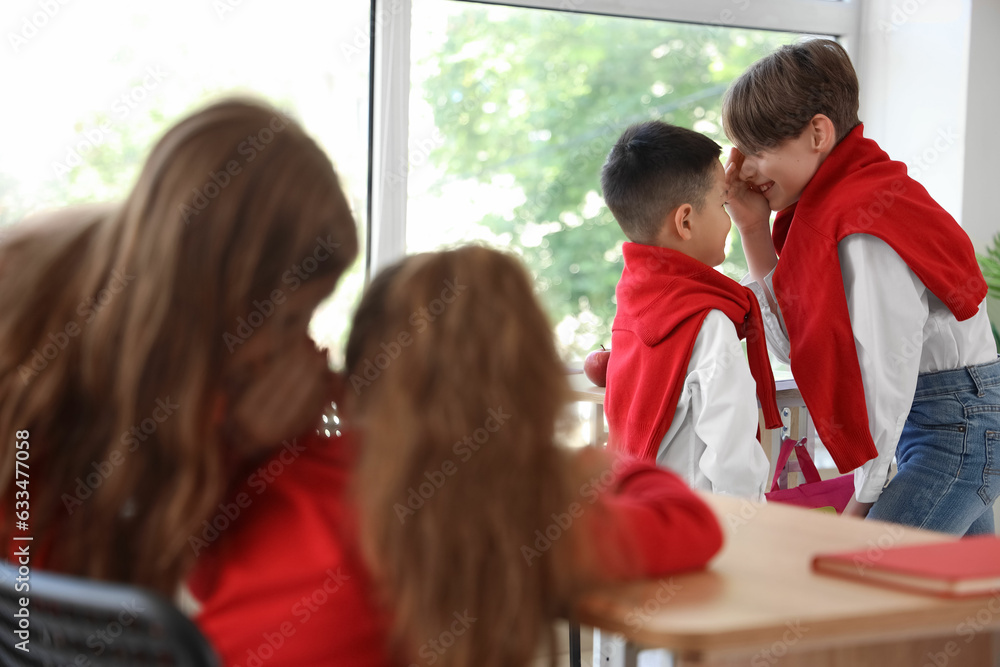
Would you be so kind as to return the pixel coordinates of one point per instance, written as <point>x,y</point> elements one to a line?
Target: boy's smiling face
<point>783,172</point>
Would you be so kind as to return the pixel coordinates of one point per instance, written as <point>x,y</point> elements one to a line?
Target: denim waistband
<point>968,378</point>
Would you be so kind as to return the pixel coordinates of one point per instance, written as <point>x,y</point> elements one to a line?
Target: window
<point>505,112</point>
<point>96,84</point>
<point>512,112</point>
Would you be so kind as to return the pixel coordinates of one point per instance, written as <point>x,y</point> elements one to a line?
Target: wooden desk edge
<point>808,635</point>
<point>930,617</point>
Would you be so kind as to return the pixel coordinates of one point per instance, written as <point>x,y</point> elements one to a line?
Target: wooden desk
<point>760,604</point>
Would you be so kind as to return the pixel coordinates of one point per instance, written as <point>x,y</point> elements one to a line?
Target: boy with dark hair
<point>877,299</point>
<point>679,390</point>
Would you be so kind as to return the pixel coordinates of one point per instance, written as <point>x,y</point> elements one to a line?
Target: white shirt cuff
<point>870,479</point>
<point>774,328</point>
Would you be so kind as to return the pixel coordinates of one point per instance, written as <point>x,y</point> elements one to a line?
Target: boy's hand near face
<point>751,214</point>
<point>747,207</point>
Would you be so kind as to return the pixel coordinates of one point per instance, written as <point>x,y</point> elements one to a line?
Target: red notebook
<point>959,568</point>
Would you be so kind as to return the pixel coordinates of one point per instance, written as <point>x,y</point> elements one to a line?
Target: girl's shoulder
<point>279,559</point>
<point>298,492</point>
<point>312,469</point>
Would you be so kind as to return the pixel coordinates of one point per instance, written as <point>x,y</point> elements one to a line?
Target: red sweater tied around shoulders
<point>858,190</point>
<point>663,298</point>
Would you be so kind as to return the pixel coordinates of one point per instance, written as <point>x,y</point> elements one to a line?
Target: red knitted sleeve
<point>652,524</point>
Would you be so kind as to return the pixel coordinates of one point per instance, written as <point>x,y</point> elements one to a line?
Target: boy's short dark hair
<point>652,169</point>
<point>779,94</point>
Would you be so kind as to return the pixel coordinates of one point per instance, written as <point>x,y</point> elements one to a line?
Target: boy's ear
<point>824,134</point>
<point>681,219</point>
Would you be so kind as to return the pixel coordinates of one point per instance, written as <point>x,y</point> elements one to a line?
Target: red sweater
<point>282,584</point>
<point>663,297</point>
<point>858,190</point>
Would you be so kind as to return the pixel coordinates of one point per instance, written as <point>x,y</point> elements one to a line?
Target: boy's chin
<point>779,206</point>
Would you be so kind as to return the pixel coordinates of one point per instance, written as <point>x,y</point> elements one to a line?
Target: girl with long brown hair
<point>154,352</point>
<point>477,528</point>
<point>156,365</point>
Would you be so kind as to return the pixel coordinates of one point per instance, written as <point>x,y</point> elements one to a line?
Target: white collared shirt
<point>712,441</point>
<point>900,329</point>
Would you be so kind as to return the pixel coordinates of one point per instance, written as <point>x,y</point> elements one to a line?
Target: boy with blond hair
<point>870,289</point>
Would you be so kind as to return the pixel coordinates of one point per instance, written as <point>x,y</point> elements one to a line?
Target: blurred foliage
<point>12,205</point>
<point>99,164</point>
<point>990,263</point>
<point>540,97</point>
<point>102,161</point>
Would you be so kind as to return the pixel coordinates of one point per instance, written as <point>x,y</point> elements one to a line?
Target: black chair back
<point>55,620</point>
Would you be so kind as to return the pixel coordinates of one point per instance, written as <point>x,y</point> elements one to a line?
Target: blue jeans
<point>948,455</point>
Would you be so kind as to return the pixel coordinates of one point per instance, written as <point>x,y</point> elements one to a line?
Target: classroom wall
<point>914,72</point>
<point>930,95</point>
<point>982,147</point>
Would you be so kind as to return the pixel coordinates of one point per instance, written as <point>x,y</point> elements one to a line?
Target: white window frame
<point>391,78</point>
